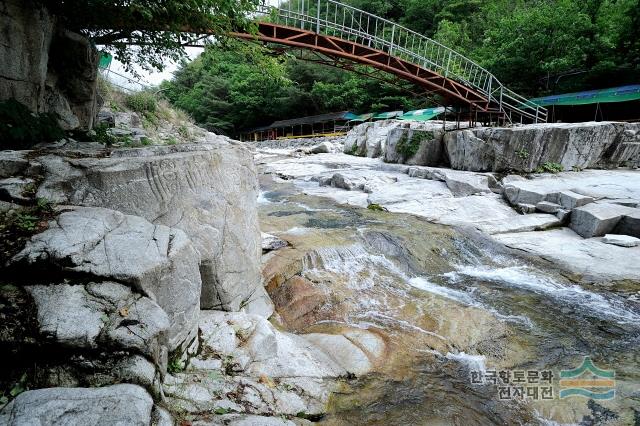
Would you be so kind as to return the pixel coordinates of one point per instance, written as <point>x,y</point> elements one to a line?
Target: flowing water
<point>450,304</point>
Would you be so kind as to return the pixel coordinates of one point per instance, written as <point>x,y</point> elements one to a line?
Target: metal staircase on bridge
<point>339,30</point>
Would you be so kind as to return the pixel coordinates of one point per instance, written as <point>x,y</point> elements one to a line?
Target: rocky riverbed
<point>456,272</point>
<point>137,283</point>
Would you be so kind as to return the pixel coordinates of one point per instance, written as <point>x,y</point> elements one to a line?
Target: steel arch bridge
<point>343,32</point>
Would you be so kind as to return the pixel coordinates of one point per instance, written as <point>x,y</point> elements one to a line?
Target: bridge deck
<point>341,31</point>
<point>453,92</point>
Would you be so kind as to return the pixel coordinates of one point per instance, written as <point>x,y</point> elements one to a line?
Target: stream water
<point>452,306</point>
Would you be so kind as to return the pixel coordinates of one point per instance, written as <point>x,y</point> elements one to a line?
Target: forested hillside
<point>535,47</point>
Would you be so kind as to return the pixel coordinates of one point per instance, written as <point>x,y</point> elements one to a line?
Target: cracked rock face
<point>520,148</point>
<point>525,148</point>
<point>209,191</point>
<point>158,261</point>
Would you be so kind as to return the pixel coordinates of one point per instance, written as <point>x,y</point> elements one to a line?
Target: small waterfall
<point>363,269</point>
<point>348,259</point>
<point>522,277</point>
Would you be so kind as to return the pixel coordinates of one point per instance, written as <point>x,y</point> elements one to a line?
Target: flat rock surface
<point>590,258</point>
<point>112,405</point>
<point>390,186</point>
<point>610,184</point>
<point>522,223</point>
<point>442,196</point>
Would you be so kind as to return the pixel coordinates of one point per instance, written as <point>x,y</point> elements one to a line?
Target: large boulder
<point>629,224</point>
<point>112,405</point>
<point>207,190</point>
<point>73,66</point>
<point>627,149</point>
<point>370,139</point>
<point>322,148</point>
<point>525,148</point>
<point>157,261</point>
<point>414,146</point>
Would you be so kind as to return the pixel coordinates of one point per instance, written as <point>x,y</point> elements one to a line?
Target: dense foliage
<point>159,30</point>
<point>228,91</point>
<point>535,47</point>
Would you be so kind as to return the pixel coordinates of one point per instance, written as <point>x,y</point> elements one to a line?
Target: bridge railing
<point>332,18</point>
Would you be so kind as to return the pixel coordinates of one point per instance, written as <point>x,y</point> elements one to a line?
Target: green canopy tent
<point>422,114</point>
<point>350,116</point>
<point>614,94</point>
<point>387,115</point>
<point>361,118</point>
<point>616,103</point>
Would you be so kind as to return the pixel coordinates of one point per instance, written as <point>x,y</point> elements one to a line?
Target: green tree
<point>546,37</point>
<point>227,90</point>
<point>159,29</point>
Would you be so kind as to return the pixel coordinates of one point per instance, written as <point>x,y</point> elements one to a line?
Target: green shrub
<point>114,106</point>
<point>150,120</point>
<point>26,222</point>
<point>20,128</point>
<point>103,135</point>
<point>409,146</point>
<point>522,154</point>
<point>549,168</point>
<point>142,102</point>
